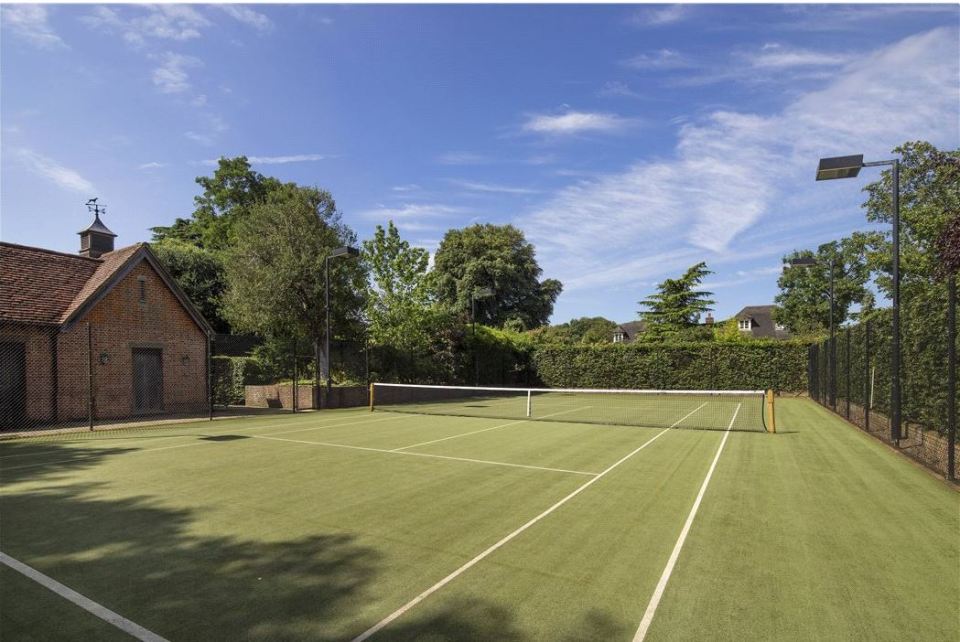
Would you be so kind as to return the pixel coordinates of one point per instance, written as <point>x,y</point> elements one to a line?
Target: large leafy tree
<point>499,261</point>
<point>200,274</point>
<point>804,298</point>
<point>275,268</point>
<point>584,330</point>
<point>678,303</point>
<point>398,301</point>
<point>929,201</point>
<point>227,197</point>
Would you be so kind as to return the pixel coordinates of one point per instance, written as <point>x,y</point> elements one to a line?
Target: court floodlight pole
<point>849,167</point>
<point>349,252</point>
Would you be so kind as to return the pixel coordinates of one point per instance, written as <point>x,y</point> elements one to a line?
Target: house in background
<point>111,321</point>
<point>627,332</point>
<point>758,321</point>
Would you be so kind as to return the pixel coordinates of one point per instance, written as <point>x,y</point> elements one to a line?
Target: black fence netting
<point>852,375</point>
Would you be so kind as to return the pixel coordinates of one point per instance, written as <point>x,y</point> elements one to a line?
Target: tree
<point>398,301</point>
<point>929,201</point>
<point>275,269</point>
<point>584,330</point>
<point>804,298</point>
<point>227,197</point>
<point>497,258</point>
<point>677,304</point>
<point>199,273</point>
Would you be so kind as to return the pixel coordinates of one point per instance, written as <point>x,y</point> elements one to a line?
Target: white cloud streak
<point>247,16</point>
<point>491,188</point>
<point>30,23</point>
<point>51,170</point>
<point>275,160</point>
<point>661,60</point>
<point>575,122</point>
<point>660,16</point>
<point>171,76</point>
<point>732,171</point>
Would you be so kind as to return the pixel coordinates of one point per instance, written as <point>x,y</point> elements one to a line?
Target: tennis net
<point>703,409</point>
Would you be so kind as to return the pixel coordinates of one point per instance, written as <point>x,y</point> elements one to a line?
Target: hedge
<point>757,365</point>
<point>230,375</point>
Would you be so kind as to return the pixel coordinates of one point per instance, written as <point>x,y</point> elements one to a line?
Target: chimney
<point>96,239</point>
<point>709,319</point>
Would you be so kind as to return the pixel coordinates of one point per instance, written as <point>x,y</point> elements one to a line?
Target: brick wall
<point>37,343</point>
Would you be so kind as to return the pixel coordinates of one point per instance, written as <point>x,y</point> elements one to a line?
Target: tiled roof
<point>43,286</point>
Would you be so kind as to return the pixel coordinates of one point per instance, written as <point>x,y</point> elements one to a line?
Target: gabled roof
<point>761,317</point>
<point>44,287</point>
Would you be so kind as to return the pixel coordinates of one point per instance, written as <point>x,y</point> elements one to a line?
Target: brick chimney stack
<point>96,239</point>
<point>709,319</point>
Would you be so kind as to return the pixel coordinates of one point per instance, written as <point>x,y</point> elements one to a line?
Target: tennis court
<point>351,525</point>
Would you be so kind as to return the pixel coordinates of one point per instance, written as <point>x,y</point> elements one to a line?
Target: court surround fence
<point>851,376</point>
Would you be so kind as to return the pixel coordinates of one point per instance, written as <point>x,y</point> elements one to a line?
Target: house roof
<point>762,321</point>
<point>53,288</point>
<point>631,328</point>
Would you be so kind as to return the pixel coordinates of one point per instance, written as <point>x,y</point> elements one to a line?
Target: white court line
<point>401,452</point>
<point>474,432</point>
<point>668,569</point>
<point>67,593</point>
<point>199,442</point>
<point>150,440</point>
<point>449,578</point>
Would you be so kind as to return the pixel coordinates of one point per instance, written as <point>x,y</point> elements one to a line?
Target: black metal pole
<point>326,339</point>
<point>90,374</point>
<point>951,376</point>
<point>833,344</point>
<point>895,432</point>
<point>846,370</point>
<point>866,375</point>
<point>295,373</point>
<point>210,376</point>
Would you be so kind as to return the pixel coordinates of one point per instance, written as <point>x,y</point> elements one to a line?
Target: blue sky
<point>627,142</point>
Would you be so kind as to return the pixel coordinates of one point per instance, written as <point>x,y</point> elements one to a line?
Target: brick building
<point>107,325</point>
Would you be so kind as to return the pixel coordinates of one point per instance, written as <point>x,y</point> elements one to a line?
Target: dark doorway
<point>13,385</point>
<point>147,380</point>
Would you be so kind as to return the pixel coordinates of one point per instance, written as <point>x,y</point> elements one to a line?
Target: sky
<point>627,142</point>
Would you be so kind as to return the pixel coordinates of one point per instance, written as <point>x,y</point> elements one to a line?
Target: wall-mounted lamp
<point>104,358</point>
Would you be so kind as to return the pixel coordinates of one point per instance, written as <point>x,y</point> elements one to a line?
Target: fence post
<point>866,375</point>
<point>210,375</point>
<point>295,374</point>
<point>846,370</point>
<point>951,375</point>
<point>90,374</point>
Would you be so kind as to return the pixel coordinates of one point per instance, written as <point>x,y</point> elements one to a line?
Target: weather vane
<point>97,210</point>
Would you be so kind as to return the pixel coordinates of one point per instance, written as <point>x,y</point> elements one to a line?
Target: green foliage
<point>498,258</point>
<point>227,198</point>
<point>804,298</point>
<point>231,374</point>
<point>677,303</point>
<point>729,332</point>
<point>756,365</point>
<point>503,357</point>
<point>398,302</point>
<point>275,270</point>
<point>587,330</point>
<point>199,273</point>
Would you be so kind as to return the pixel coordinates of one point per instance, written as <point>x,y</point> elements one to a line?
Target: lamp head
<point>839,167</point>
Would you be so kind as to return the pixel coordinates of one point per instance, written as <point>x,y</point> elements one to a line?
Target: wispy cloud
<point>853,16</point>
<point>410,187</point>
<point>575,122</point>
<point>275,160</point>
<point>616,88</point>
<point>659,16</point>
<point>661,60</point>
<point>730,170</point>
<point>411,211</point>
<point>247,16</point>
<point>775,56</point>
<point>161,22</point>
<point>30,23</point>
<point>212,127</point>
<point>171,76</point>
<point>56,173</point>
<point>463,158</point>
<point>491,188</point>
<point>151,165</point>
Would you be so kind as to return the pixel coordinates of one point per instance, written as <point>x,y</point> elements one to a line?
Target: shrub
<point>230,375</point>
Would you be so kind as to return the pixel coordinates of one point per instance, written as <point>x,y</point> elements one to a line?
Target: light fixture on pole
<point>849,167</point>
<point>349,252</point>
<point>477,293</point>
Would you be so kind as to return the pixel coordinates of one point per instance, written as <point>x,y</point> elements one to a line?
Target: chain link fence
<point>851,375</point>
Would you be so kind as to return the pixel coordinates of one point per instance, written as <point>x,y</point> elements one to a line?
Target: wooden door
<point>147,380</point>
<point>13,385</point>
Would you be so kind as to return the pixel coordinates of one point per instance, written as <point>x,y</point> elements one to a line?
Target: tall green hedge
<point>230,375</point>
<point>757,365</point>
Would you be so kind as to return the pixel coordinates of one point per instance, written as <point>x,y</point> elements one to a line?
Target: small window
<point>781,327</point>
<point>618,337</point>
<point>744,324</point>
<point>143,289</point>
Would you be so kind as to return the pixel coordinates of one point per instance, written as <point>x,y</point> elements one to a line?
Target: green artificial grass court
<point>320,525</point>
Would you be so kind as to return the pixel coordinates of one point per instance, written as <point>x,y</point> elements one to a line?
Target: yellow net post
<point>771,415</point>
<point>371,397</point>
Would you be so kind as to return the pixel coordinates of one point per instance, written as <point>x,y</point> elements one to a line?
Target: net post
<point>771,415</point>
<point>529,403</point>
<point>371,397</point>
